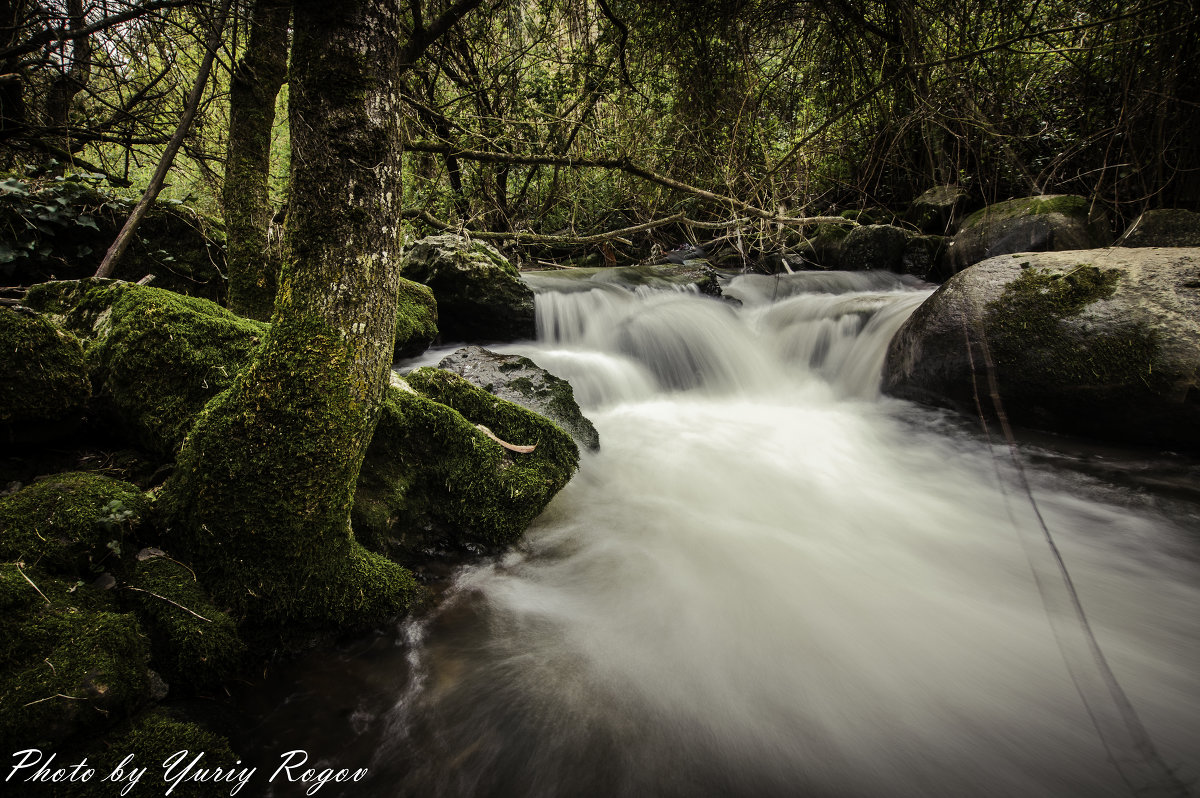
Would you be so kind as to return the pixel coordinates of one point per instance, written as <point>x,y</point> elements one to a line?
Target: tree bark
<point>253,272</point>
<point>262,493</point>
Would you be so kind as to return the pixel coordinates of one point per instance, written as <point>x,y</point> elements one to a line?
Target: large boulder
<point>938,210</point>
<point>874,246</point>
<point>1033,224</point>
<point>480,296</point>
<point>155,357</point>
<point>1167,227</point>
<point>436,478</point>
<point>1103,343</point>
<point>43,376</point>
<point>519,380</point>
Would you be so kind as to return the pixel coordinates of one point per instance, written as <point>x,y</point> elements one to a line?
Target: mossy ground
<point>72,524</point>
<point>71,664</point>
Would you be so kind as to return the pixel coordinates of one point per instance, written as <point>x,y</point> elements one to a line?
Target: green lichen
<point>261,495</point>
<point>156,357</point>
<point>190,652</point>
<point>1030,336</point>
<point>43,375</point>
<point>431,473</point>
<point>69,667</point>
<point>416,319</point>
<point>72,523</point>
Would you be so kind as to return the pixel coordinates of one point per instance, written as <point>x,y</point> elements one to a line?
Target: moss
<point>189,652</point>
<point>152,738</point>
<point>67,522</point>
<point>261,494</point>
<point>43,375</point>
<point>430,472</point>
<point>156,357</point>
<point>1065,204</point>
<point>416,319</point>
<point>68,668</point>
<point>1029,332</point>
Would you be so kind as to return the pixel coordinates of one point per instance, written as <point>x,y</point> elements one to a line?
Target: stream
<point>772,581</point>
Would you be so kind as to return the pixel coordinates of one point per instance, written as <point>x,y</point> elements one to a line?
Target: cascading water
<point>771,581</point>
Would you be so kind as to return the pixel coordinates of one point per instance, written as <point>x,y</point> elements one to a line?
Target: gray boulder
<point>480,296</point>
<point>1168,227</point>
<point>1033,224</point>
<point>1102,343</point>
<point>521,381</point>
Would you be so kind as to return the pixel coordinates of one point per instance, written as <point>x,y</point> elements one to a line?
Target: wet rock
<point>521,381</point>
<point>433,480</point>
<point>1102,343</point>
<point>1033,224</point>
<point>1163,228</point>
<point>480,296</point>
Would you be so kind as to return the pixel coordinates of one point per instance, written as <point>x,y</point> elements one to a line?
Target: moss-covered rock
<point>73,523</point>
<point>416,319</point>
<point>823,249</point>
<point>1166,227</point>
<point>70,666</point>
<point>152,738</point>
<point>193,644</point>
<point>1104,343</point>
<point>937,211</point>
<point>480,296</point>
<point>433,479</point>
<point>1032,224</point>
<point>155,357</point>
<point>43,376</point>
<point>922,254</point>
<point>519,380</point>
<point>873,246</point>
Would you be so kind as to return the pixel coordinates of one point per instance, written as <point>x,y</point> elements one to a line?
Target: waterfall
<point>772,581</point>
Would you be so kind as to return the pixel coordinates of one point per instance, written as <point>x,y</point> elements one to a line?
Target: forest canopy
<point>540,121</point>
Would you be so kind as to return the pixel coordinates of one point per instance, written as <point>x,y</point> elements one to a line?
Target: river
<point>773,581</point>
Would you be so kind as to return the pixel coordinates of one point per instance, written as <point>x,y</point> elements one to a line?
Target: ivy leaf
<point>14,186</point>
<point>83,220</point>
<point>7,255</point>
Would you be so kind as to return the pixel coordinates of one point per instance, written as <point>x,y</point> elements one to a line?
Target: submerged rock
<point>432,479</point>
<point>1033,224</point>
<point>1163,228</point>
<point>521,381</point>
<point>155,357</point>
<point>1103,343</point>
<point>480,296</point>
<point>43,377</point>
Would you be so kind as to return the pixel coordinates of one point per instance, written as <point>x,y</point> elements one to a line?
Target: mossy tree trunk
<point>262,492</point>
<point>253,272</point>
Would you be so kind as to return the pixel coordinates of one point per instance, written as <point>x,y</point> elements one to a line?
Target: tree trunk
<point>262,492</point>
<point>253,272</point>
